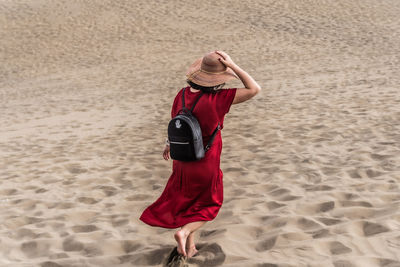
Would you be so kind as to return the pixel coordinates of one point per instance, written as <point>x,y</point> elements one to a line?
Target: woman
<point>194,191</point>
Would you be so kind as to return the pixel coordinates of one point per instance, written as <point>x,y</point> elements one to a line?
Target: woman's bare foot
<point>191,251</point>
<point>180,237</point>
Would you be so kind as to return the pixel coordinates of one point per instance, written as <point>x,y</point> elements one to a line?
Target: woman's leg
<point>190,246</point>
<point>182,235</point>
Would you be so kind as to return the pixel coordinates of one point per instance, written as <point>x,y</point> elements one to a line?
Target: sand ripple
<point>311,165</point>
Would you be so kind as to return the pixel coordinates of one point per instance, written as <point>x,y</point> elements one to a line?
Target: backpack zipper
<point>179,143</point>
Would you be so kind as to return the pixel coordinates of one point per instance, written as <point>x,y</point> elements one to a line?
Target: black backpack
<point>184,135</point>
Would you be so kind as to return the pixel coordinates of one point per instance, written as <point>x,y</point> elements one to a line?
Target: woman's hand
<point>225,59</point>
<point>251,86</point>
<point>166,152</point>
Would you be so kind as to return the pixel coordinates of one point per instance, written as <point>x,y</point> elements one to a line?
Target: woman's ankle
<point>191,246</point>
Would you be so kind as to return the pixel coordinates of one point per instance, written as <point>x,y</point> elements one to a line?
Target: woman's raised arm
<point>251,86</point>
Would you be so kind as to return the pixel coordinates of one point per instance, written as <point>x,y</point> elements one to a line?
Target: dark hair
<point>205,89</point>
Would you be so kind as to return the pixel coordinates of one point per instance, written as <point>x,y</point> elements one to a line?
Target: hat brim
<point>198,76</point>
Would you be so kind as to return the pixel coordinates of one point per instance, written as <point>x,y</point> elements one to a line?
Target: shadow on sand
<point>208,255</point>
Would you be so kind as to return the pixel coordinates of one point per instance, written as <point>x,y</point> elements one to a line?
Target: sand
<point>311,164</point>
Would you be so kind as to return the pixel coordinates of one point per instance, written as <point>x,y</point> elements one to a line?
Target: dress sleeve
<point>224,100</point>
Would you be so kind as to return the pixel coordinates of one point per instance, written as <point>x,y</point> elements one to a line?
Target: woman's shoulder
<point>180,92</point>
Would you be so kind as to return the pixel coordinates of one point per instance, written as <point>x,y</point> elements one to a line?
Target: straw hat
<point>209,71</point>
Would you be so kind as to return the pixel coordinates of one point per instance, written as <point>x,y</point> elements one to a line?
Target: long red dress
<point>194,191</point>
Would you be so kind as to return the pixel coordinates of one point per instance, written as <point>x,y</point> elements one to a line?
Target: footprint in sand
<point>314,188</point>
<point>272,265</point>
<point>329,221</point>
<point>70,244</point>
<point>337,248</point>
<point>119,222</point>
<point>308,224</point>
<point>349,203</point>
<point>65,205</point>
<point>75,168</point>
<point>50,264</point>
<point>320,233</point>
<point>26,233</point>
<point>138,197</point>
<point>88,200</point>
<point>208,255</point>
<point>274,205</point>
<point>274,221</point>
<point>108,190</point>
<point>283,194</point>
<point>279,192</point>
<point>342,263</point>
<point>266,244</point>
<point>370,228</point>
<point>61,255</point>
<point>380,157</point>
<point>33,249</point>
<point>354,174</point>
<point>130,246</point>
<point>8,192</point>
<point>92,250</point>
<point>41,190</point>
<point>211,233</point>
<point>84,228</point>
<point>388,263</point>
<point>371,173</point>
<point>318,207</point>
<point>153,257</point>
<point>326,206</point>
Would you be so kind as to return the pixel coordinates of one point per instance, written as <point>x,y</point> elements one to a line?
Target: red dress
<point>194,191</point>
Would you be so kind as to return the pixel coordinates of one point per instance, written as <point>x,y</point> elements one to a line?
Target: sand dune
<point>311,165</point>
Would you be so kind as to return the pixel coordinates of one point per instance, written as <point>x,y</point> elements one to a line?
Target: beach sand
<point>311,164</point>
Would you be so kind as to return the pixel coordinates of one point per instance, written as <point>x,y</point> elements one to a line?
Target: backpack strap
<point>214,134</point>
<point>208,146</point>
<point>195,102</point>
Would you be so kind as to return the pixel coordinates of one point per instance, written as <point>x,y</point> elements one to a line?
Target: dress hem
<point>177,225</point>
